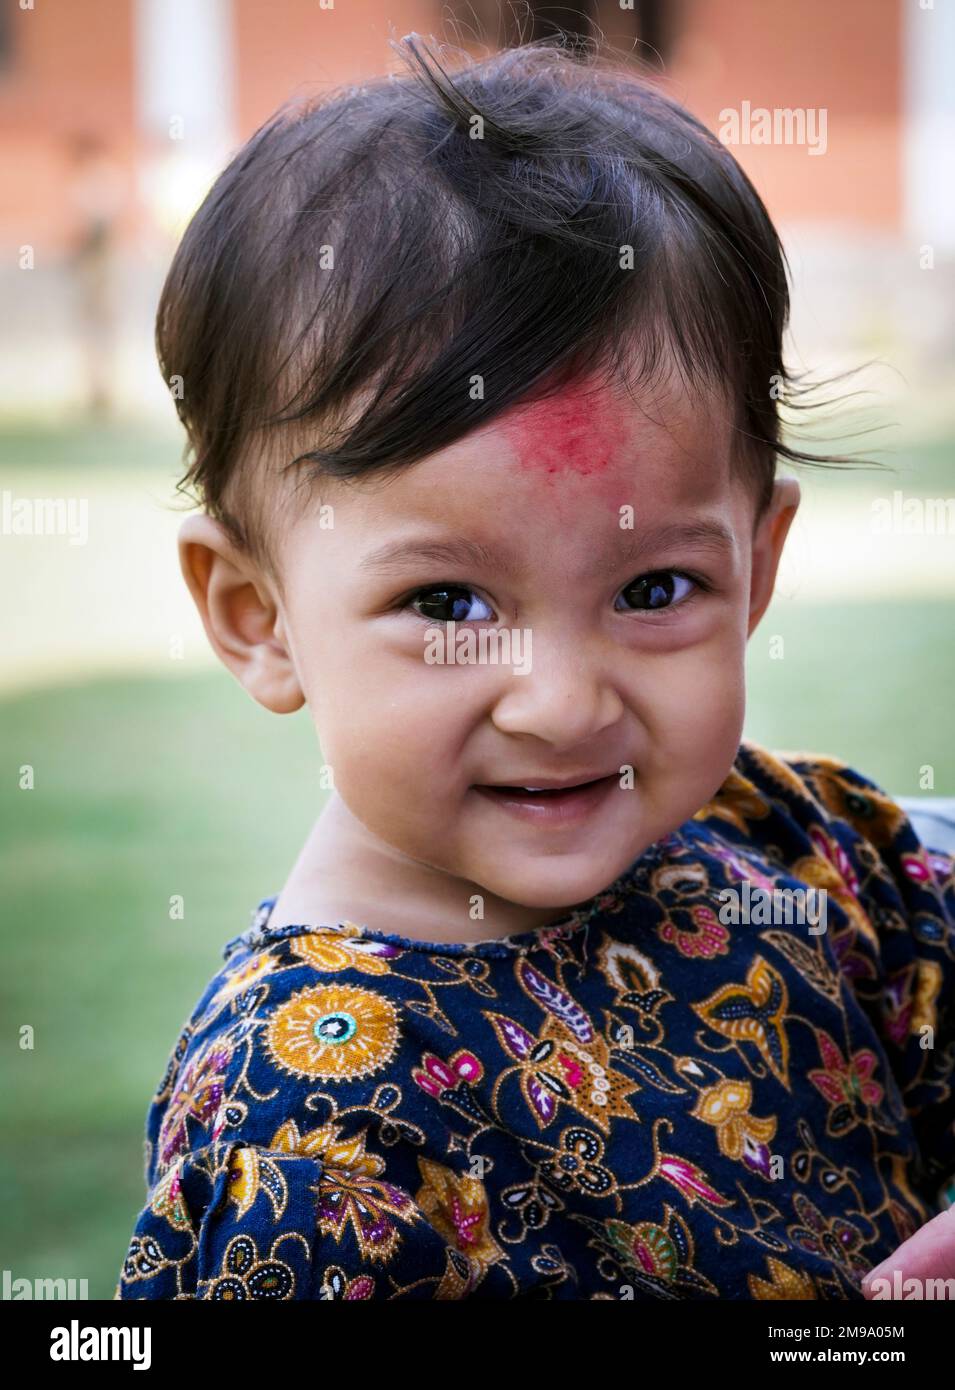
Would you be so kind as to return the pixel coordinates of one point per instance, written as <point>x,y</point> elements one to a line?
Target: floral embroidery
<point>837,1239</point>
<point>197,1096</point>
<point>555,1068</point>
<point>333,1031</point>
<point>704,936</point>
<point>783,1283</point>
<point>739,1134</point>
<point>457,1208</point>
<point>754,1012</point>
<point>845,1084</point>
<point>246,1276</point>
<point>327,954</point>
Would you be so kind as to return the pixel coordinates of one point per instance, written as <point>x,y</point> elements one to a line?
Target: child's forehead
<point>565,467</point>
<point>562,465</point>
<point>591,428</point>
<point>576,433</point>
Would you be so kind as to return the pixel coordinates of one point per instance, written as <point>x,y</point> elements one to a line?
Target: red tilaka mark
<point>570,434</point>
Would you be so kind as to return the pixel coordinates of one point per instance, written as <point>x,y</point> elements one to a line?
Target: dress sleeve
<point>907,892</point>
<point>237,1221</point>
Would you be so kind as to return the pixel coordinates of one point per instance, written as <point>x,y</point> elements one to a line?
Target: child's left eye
<point>449,603</point>
<point>659,589</point>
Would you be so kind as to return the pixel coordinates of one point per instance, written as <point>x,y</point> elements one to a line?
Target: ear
<point>768,542</point>
<point>239,614</point>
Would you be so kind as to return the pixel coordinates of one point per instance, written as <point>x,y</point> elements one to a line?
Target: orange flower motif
<point>820,870</point>
<point>333,1032</point>
<point>328,953</point>
<point>736,801</point>
<point>740,1135</point>
<point>350,1193</point>
<point>867,809</point>
<point>241,979</point>
<point>252,1172</point>
<point>783,1283</point>
<point>754,1012</point>
<point>457,1208</point>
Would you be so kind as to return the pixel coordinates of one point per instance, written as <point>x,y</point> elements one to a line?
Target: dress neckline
<point>609,900</point>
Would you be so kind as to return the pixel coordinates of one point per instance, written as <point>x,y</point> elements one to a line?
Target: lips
<point>548,802</point>
<point>548,784</point>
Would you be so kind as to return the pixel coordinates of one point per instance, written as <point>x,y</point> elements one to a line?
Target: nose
<point>564,699</point>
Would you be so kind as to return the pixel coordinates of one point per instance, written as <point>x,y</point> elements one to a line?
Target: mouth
<point>546,801</point>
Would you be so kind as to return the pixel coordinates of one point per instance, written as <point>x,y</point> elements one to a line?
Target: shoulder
<point>815,814</point>
<point>809,788</point>
<point>275,1170</point>
<point>833,786</point>
<point>279,1020</point>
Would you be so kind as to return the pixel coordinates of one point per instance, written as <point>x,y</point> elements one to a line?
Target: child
<point>572,993</point>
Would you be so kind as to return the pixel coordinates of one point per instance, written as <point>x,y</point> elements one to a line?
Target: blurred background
<point>154,774</point>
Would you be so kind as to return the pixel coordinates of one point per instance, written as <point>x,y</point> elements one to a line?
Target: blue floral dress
<point>659,1097</point>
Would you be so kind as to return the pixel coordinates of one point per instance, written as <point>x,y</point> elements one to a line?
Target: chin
<point>552,885</point>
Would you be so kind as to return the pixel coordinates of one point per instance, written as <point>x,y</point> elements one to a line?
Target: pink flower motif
<point>846,871</point>
<point>917,867</point>
<point>740,867</point>
<point>831,849</point>
<point>845,1083</point>
<point>689,1180</point>
<point>707,937</point>
<point>361,1287</point>
<point>436,1075</point>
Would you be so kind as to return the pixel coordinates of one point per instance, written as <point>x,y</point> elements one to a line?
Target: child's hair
<point>384,268</point>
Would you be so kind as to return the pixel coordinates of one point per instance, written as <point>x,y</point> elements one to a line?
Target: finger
<point>929,1254</point>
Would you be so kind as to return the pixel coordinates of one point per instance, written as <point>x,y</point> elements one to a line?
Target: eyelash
<point>701,586</point>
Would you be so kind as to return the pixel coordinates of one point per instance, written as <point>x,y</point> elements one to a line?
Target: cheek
<point>394,734</point>
<point>686,697</point>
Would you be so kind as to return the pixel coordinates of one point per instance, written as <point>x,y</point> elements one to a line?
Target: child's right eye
<point>449,603</point>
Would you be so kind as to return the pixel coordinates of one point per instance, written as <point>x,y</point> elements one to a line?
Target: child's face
<point>544,495</point>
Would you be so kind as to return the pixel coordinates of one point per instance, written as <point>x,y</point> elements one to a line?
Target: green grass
<point>144,788</point>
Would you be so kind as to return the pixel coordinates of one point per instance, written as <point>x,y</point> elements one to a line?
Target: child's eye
<point>659,589</point>
<point>449,603</point>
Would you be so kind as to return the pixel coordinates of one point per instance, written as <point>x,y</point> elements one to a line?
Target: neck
<point>346,872</point>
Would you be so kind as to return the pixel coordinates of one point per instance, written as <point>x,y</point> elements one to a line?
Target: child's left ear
<point>768,542</point>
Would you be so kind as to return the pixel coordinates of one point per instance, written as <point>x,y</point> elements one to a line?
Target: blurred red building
<point>116,114</point>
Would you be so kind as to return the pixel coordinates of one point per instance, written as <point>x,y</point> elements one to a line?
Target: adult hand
<point>929,1254</point>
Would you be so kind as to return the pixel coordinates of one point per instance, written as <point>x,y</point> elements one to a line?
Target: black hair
<point>369,255</point>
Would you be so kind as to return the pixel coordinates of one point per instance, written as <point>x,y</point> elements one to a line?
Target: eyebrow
<point>705,534</point>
